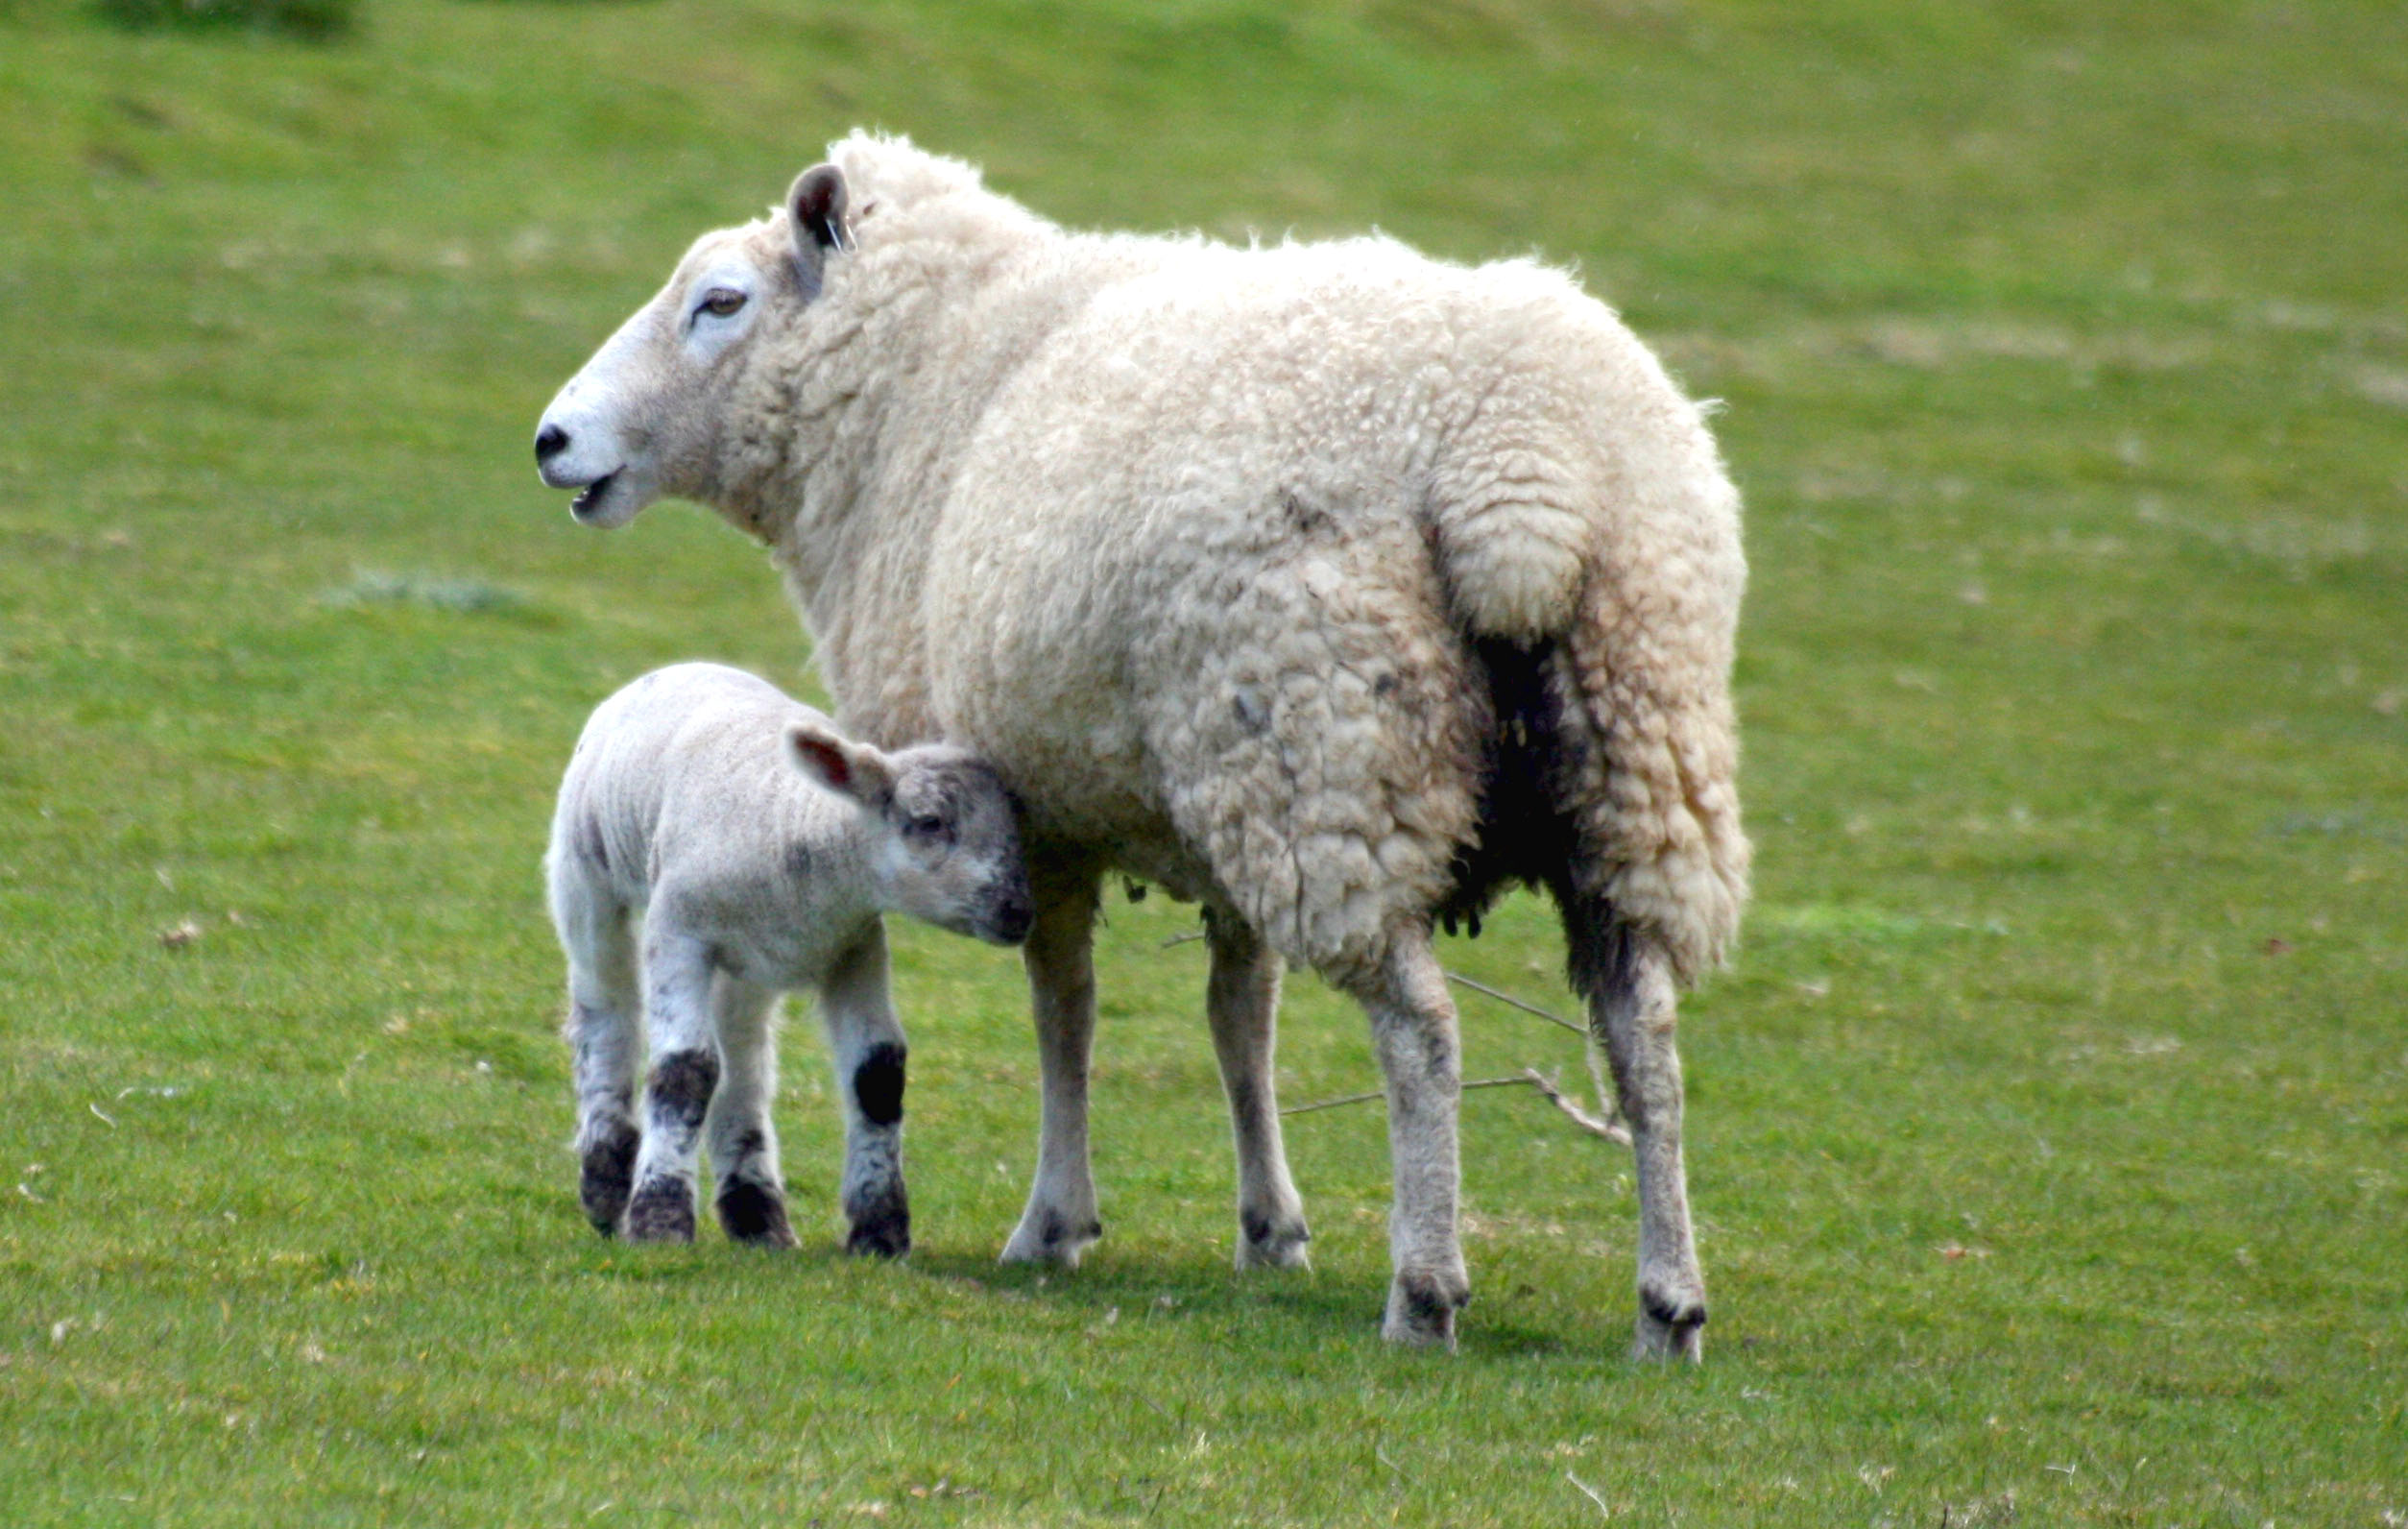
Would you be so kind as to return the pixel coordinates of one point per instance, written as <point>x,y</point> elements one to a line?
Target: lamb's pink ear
<point>846,768</point>
<point>815,208</point>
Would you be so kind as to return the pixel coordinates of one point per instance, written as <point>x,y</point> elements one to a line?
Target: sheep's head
<point>646,416</point>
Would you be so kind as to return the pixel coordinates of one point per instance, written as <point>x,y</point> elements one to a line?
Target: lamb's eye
<point>720,302</point>
<point>926,825</point>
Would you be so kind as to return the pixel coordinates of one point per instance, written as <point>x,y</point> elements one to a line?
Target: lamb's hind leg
<point>866,1045</point>
<point>1242,1000</point>
<point>1060,1219</point>
<point>677,1099</point>
<point>742,1137</point>
<point>1413,1027</point>
<point>605,1009</point>
<point>1628,984</point>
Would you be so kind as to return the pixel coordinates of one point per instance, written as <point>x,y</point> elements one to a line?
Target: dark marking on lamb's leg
<point>607,1174</point>
<point>877,1083</point>
<point>876,1201</point>
<point>663,1208</point>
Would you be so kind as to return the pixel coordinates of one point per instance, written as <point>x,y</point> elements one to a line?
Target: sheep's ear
<point>815,210</point>
<point>843,767</point>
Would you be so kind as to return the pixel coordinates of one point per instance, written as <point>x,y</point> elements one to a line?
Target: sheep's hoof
<point>1048,1237</point>
<point>605,1177</point>
<point>662,1211</point>
<point>1669,1326</point>
<point>756,1215</point>
<point>1267,1242</point>
<point>1422,1304</point>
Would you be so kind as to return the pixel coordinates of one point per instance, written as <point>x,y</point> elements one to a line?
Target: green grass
<point>2050,1139</point>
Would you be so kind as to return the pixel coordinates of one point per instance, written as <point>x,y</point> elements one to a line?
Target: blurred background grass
<point>2047,1136</point>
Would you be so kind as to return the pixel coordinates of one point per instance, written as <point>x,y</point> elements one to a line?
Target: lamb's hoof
<point>880,1215</point>
<point>1048,1237</point>
<point>1422,1304</point>
<point>661,1212</point>
<point>756,1215</point>
<point>889,1238</point>
<point>606,1175</point>
<point>1669,1326</point>
<point>1268,1242</point>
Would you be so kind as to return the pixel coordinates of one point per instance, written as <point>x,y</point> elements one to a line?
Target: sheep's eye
<point>925,825</point>
<point>720,302</point>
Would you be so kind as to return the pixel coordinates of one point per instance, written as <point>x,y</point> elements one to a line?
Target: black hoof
<point>881,1223</point>
<point>606,1175</point>
<point>661,1212</point>
<point>755,1215</point>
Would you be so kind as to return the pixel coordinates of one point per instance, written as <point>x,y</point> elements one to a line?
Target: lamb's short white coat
<point>715,844</point>
<point>1325,583</point>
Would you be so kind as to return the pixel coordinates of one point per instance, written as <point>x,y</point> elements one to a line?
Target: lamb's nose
<point>551,442</point>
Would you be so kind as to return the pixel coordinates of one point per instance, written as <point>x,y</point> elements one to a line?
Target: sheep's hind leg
<point>866,1045</point>
<point>1242,1000</point>
<point>1413,1028</point>
<point>1060,1221</point>
<point>605,1001</point>
<point>684,1074</point>
<point>1627,982</point>
<point>751,1198</point>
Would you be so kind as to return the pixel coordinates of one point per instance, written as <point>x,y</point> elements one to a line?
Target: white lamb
<point>1329,585</point>
<point>715,845</point>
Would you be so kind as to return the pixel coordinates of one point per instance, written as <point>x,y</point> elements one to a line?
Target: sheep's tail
<point>1607,636</point>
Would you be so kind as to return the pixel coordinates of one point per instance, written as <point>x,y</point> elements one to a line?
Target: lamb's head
<point>945,831</point>
<point>649,416</point>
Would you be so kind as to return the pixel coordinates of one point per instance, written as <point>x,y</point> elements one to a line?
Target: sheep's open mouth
<point>592,495</point>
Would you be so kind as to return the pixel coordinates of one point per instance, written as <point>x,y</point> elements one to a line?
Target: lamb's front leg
<point>743,1139</point>
<point>677,1099</point>
<point>866,1043</point>
<point>1060,1221</point>
<point>1242,1001</point>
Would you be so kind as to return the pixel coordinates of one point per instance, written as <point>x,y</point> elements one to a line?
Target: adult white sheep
<point>715,844</point>
<point>1326,583</point>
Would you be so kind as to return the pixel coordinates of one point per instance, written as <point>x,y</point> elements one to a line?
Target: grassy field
<point>2050,1138</point>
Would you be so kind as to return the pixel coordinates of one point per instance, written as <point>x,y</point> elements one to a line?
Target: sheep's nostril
<point>551,442</point>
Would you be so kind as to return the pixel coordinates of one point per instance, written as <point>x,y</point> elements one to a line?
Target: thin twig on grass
<point>1589,1493</point>
<point>1611,1129</point>
<point>1478,986</point>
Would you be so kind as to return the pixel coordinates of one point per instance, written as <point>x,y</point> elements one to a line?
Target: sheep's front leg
<point>866,1045</point>
<point>743,1139</point>
<point>1632,1014</point>
<point>1060,1221</point>
<point>1413,1029</point>
<point>1242,1001</point>
<point>684,1074</point>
